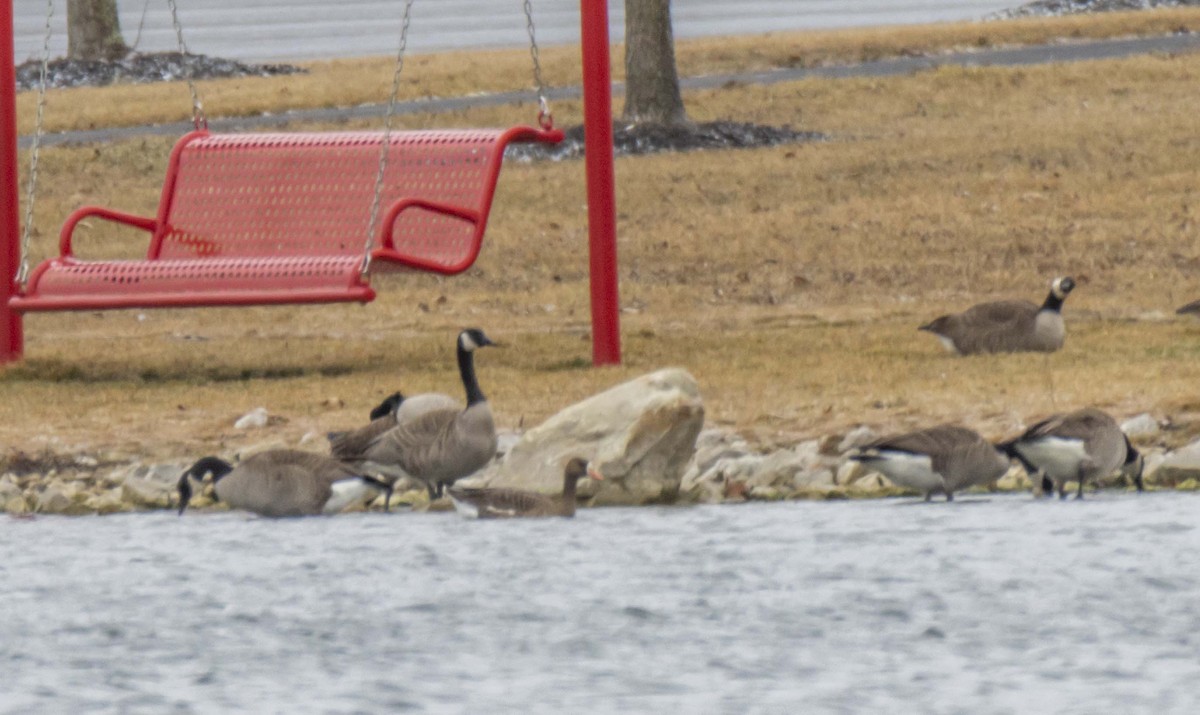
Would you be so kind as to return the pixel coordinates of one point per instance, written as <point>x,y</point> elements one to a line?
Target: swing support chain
<point>373,221</point>
<point>22,276</point>
<point>198,119</point>
<point>545,116</point>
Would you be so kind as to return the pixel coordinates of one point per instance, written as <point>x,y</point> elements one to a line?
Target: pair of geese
<point>430,437</point>
<point>1079,446</point>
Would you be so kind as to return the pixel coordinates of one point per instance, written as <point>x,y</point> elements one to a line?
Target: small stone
<point>858,437</point>
<point>1143,425</point>
<point>253,419</point>
<point>16,504</point>
<point>54,499</point>
<point>145,493</point>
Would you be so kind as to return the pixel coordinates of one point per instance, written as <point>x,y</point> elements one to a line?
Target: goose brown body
<point>1006,325</point>
<point>282,482</point>
<point>436,441</point>
<point>510,503</point>
<point>936,460</point>
<point>1078,446</point>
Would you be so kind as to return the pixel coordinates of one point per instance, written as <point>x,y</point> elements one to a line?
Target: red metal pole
<point>12,338</point>
<point>602,204</point>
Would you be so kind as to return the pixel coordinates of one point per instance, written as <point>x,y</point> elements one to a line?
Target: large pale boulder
<point>1178,467</point>
<point>640,434</point>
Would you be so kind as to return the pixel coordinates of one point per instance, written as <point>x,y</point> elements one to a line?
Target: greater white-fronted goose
<point>1006,326</point>
<point>937,460</point>
<point>284,482</point>
<point>437,441</point>
<point>1076,447</point>
<point>509,503</point>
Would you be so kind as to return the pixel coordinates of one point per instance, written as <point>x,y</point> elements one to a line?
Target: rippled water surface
<point>997,604</point>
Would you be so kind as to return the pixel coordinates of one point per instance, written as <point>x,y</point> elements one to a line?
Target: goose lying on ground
<point>284,482</point>
<point>1006,326</point>
<point>1076,447</point>
<point>434,440</point>
<point>506,503</point>
<point>936,460</point>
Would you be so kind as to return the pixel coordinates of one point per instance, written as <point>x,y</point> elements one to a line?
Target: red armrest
<point>64,237</point>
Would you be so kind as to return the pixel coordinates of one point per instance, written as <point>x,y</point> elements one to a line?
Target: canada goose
<point>942,459</point>
<point>502,503</point>
<point>395,408</point>
<point>1076,446</point>
<point>284,482</point>
<point>1006,326</point>
<point>436,441</point>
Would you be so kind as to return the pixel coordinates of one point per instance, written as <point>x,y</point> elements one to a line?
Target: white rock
<point>253,419</point>
<point>640,434</point>
<point>857,437</point>
<point>1143,425</point>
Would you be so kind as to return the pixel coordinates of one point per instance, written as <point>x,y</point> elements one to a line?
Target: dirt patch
<point>138,68</point>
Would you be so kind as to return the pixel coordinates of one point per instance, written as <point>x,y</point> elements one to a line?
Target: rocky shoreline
<point>648,435</point>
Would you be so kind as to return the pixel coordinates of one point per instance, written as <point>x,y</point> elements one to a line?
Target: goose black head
<point>388,406</point>
<point>472,339</point>
<point>215,466</point>
<point>1062,286</point>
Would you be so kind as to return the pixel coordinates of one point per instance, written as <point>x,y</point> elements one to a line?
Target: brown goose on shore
<point>509,503</point>
<point>936,460</point>
<point>439,443</point>
<point>1076,447</point>
<point>1006,326</point>
<point>284,482</point>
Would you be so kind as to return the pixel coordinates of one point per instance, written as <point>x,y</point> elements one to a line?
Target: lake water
<point>993,604</point>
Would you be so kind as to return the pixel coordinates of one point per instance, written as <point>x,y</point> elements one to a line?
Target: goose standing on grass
<point>508,503</point>
<point>284,482</point>
<point>1076,447</point>
<point>438,443</point>
<point>936,460</point>
<point>1006,326</point>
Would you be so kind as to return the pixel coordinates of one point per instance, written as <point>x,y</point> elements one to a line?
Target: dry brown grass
<point>789,280</point>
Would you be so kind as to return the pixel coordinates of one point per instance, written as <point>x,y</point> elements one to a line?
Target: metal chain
<point>545,117</point>
<point>35,151</point>
<point>198,118</point>
<point>387,141</point>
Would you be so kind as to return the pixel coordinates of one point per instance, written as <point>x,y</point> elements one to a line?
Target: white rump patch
<point>947,343</point>
<point>464,508</point>
<point>347,492</point>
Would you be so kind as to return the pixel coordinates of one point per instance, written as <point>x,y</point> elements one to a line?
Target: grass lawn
<point>789,280</point>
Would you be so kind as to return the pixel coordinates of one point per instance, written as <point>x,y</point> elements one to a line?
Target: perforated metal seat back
<point>311,194</point>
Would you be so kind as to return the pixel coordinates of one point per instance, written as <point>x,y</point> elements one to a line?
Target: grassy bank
<point>789,280</point>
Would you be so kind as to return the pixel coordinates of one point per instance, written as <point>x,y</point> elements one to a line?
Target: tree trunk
<point>94,31</point>
<point>651,80</point>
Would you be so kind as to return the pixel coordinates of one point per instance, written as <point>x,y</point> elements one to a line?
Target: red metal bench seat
<point>260,219</point>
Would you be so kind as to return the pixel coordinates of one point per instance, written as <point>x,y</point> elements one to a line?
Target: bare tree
<point>651,80</point>
<point>94,31</point>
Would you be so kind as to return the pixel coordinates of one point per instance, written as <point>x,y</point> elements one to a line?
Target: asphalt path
<point>292,30</point>
<point>1042,54</point>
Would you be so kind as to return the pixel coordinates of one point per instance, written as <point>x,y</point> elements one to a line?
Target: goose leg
<point>949,496</point>
<point>1079,494</point>
<point>1047,486</point>
<point>433,495</point>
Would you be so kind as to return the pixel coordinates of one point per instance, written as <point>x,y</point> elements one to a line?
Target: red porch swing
<point>261,219</point>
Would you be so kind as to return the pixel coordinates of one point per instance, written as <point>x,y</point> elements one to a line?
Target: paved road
<point>1071,52</point>
<point>274,30</point>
